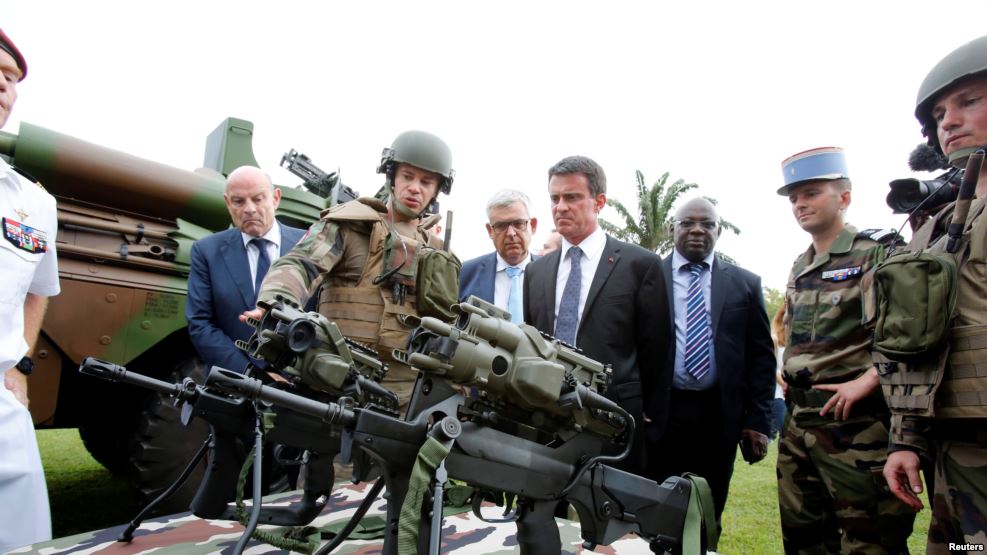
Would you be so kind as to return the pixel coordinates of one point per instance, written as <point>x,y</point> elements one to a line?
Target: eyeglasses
<point>518,225</point>
<point>689,224</point>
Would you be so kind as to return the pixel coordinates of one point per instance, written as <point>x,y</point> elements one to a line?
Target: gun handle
<point>537,533</point>
<point>219,481</point>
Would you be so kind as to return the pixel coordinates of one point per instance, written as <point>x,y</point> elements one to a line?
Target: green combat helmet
<point>422,150</point>
<point>966,61</point>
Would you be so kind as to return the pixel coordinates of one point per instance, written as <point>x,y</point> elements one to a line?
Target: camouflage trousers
<point>831,494</point>
<point>959,505</point>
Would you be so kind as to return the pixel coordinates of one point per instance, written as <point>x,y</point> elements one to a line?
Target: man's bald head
<point>696,229</point>
<point>252,200</point>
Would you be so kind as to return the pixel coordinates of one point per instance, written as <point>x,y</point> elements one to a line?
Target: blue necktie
<point>568,321</point>
<point>514,297</point>
<point>263,261</point>
<point>697,332</point>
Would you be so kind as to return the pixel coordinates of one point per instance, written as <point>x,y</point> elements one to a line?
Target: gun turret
<point>511,364</point>
<point>326,185</point>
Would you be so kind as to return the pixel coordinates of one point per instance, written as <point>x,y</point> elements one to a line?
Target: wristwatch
<point>26,366</point>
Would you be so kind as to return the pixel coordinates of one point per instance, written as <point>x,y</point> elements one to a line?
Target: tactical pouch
<point>916,297</point>
<point>437,283</point>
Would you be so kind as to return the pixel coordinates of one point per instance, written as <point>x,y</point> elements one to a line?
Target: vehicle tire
<point>109,446</point>
<point>163,446</point>
<point>107,421</point>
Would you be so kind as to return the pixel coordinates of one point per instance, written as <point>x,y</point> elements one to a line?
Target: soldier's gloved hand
<point>753,445</point>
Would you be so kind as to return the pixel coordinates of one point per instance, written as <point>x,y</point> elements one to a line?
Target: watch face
<point>26,366</point>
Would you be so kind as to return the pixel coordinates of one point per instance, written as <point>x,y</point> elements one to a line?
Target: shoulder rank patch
<point>29,177</point>
<point>841,274</point>
<point>25,237</point>
<point>879,235</point>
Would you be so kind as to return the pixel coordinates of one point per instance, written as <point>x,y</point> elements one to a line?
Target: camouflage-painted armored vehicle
<point>125,230</point>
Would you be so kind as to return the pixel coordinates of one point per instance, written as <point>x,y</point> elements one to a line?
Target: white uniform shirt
<point>29,215</point>
<point>27,265</point>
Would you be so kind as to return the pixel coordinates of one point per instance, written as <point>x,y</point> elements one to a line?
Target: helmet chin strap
<point>401,207</point>
<point>958,158</point>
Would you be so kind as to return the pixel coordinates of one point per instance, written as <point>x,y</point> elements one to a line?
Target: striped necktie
<point>697,330</point>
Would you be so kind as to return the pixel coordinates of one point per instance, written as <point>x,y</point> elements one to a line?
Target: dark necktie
<point>697,330</point>
<point>568,321</point>
<point>263,261</point>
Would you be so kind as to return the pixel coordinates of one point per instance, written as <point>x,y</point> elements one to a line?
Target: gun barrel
<point>116,373</point>
<point>251,388</point>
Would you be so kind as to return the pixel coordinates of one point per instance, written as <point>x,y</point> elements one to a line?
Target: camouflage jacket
<point>828,341</point>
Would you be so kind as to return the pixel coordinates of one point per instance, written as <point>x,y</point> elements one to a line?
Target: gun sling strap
<point>700,515</point>
<point>432,453</point>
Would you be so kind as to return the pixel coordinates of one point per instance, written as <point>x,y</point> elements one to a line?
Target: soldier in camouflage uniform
<point>832,447</point>
<point>361,255</point>
<point>939,405</point>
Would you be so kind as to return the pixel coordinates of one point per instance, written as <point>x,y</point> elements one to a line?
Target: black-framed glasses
<point>689,224</point>
<point>518,225</point>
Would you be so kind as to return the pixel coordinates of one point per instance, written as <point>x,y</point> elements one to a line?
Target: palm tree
<point>650,228</point>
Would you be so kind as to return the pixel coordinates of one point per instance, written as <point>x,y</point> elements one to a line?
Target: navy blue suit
<point>219,290</point>
<point>478,277</point>
<point>699,431</point>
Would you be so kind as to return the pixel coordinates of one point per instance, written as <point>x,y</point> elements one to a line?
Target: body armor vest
<point>374,313</point>
<point>952,384</point>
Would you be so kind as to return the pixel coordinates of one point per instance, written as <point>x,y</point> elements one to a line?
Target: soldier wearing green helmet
<point>939,404</point>
<point>361,257</point>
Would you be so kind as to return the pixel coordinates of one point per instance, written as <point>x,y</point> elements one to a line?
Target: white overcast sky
<point>717,93</point>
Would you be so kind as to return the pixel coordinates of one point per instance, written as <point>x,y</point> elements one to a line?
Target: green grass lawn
<point>84,496</point>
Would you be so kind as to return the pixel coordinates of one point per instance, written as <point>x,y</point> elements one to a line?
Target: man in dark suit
<point>228,267</point>
<point>721,361</point>
<point>602,295</point>
<point>498,277</point>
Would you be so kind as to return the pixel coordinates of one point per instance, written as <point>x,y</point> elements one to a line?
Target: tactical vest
<point>374,314</point>
<point>953,383</point>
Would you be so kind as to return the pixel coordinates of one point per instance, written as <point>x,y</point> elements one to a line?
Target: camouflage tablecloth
<point>188,535</point>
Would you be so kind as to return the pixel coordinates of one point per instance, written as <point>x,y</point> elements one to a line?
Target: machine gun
<point>320,364</point>
<point>538,435</point>
<point>536,428</point>
<point>326,185</point>
<point>230,421</point>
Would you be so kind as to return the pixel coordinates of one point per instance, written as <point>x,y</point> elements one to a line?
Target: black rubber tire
<point>108,446</point>
<point>107,421</point>
<point>162,445</point>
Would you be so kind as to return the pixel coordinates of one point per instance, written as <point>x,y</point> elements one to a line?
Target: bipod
<point>128,534</point>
